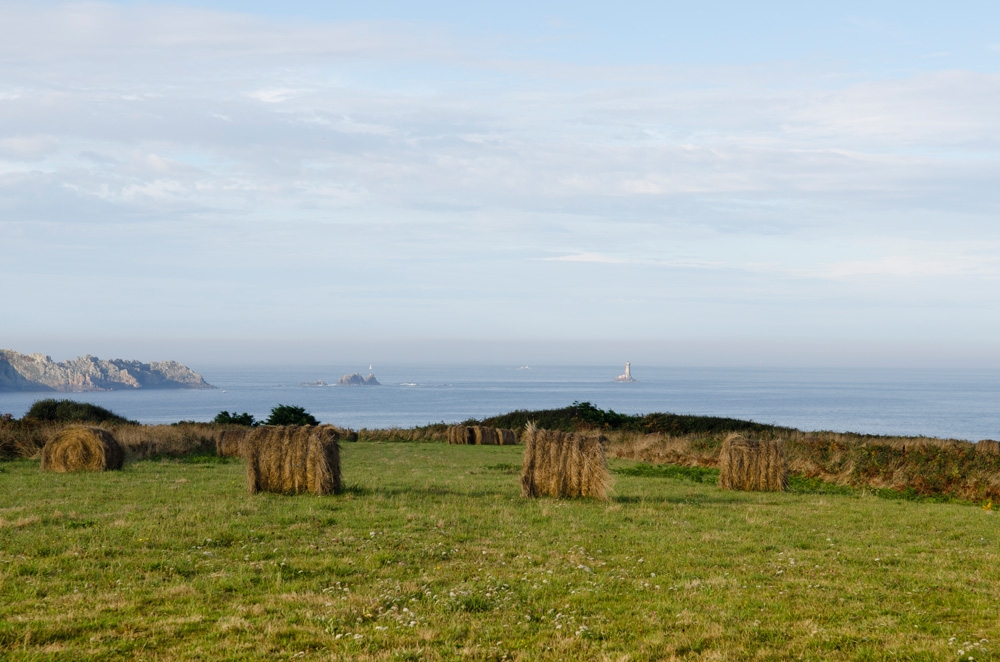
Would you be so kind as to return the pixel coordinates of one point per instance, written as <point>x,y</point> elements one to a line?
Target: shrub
<point>290,415</point>
<point>584,416</point>
<point>71,411</point>
<point>225,418</point>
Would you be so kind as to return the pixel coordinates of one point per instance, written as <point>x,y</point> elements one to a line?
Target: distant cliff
<point>37,372</point>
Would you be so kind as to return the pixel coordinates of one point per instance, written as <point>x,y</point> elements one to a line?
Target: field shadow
<point>430,491</point>
<point>691,499</point>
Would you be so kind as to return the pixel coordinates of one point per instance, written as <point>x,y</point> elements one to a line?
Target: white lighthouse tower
<point>627,377</point>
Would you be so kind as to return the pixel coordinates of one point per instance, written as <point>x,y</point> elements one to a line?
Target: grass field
<point>433,554</point>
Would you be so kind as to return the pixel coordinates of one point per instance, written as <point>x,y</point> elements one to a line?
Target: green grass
<point>432,554</point>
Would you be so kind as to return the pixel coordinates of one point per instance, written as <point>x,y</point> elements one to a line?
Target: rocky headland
<point>38,372</point>
<point>357,380</point>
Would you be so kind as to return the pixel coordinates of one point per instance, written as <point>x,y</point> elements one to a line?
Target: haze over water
<point>959,404</point>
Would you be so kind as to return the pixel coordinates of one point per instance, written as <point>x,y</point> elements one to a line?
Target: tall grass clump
<point>561,464</point>
<point>988,447</point>
<point>228,442</point>
<point>293,459</point>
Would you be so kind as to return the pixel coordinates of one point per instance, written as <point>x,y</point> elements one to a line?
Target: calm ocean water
<point>961,404</point>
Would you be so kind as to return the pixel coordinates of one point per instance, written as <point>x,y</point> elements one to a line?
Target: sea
<point>956,404</point>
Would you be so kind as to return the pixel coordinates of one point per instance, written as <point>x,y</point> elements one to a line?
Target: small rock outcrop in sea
<point>318,382</point>
<point>38,372</point>
<point>627,377</point>
<point>357,380</point>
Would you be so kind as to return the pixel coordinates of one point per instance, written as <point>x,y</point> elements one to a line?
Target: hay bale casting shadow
<point>752,465</point>
<point>81,448</point>
<point>293,459</point>
<point>558,464</point>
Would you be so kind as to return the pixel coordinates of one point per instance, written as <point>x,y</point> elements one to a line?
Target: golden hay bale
<point>81,448</point>
<point>457,434</point>
<point>293,459</point>
<point>558,464</point>
<point>460,434</point>
<point>752,465</point>
<point>484,436</point>
<point>507,437</point>
<point>228,443</point>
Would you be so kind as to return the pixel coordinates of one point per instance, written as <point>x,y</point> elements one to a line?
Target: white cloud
<point>278,95</point>
<point>420,149</point>
<point>587,257</point>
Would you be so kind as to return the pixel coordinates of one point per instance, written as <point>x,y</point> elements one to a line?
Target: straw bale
<point>558,464</point>
<point>752,465</point>
<point>293,459</point>
<point>484,436</point>
<point>461,434</point>
<point>988,446</point>
<point>228,443</point>
<point>82,448</point>
<point>507,437</point>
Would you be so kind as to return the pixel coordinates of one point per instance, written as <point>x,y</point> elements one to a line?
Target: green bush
<point>290,415</point>
<point>225,418</point>
<point>584,416</point>
<point>71,411</point>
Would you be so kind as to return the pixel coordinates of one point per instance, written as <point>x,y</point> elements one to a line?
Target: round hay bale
<point>507,437</point>
<point>460,434</point>
<point>559,464</point>
<point>752,465</point>
<point>485,436</point>
<point>293,459</point>
<point>81,448</point>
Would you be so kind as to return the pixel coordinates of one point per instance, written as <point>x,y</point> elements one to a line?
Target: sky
<point>670,183</point>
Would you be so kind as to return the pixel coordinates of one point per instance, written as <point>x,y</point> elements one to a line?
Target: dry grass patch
<point>228,442</point>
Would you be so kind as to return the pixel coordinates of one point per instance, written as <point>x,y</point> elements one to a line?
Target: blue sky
<point>723,184</point>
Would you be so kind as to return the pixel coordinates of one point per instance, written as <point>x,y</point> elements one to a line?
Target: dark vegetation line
<point>584,416</point>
